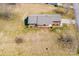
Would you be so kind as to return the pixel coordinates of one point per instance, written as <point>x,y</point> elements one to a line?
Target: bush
<point>8,16</point>
<point>66,41</point>
<point>56,29</point>
<point>77,50</point>
<point>18,40</point>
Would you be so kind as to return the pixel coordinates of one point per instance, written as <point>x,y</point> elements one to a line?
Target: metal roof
<point>41,19</point>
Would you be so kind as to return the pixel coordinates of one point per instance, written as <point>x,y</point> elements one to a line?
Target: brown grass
<point>39,42</point>
<point>35,41</point>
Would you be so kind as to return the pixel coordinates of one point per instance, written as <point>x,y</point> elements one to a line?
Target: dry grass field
<point>15,39</point>
<point>35,41</point>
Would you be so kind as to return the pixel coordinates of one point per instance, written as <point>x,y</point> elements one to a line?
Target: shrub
<point>66,41</point>
<point>18,40</point>
<point>77,50</point>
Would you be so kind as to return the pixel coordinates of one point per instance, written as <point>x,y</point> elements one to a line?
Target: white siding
<point>67,21</point>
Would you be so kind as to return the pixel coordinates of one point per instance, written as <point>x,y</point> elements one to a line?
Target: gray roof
<point>41,19</point>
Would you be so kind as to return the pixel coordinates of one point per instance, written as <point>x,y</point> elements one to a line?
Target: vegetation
<point>59,29</point>
<point>60,10</point>
<point>16,39</point>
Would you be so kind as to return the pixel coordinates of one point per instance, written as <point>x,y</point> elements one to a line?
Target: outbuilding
<point>43,20</point>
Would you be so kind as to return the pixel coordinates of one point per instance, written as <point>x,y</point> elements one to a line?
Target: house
<point>43,20</point>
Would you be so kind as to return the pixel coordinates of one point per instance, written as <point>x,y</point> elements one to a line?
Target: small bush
<point>18,40</point>
<point>56,29</point>
<point>77,50</point>
<point>46,48</point>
